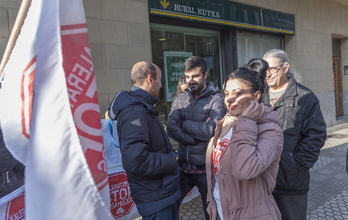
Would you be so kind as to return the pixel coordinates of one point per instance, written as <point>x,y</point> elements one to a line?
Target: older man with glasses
<point>304,132</point>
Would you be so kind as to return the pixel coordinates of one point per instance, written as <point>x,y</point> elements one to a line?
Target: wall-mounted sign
<point>173,70</point>
<point>225,13</point>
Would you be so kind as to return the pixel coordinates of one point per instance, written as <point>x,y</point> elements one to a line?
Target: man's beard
<point>196,87</point>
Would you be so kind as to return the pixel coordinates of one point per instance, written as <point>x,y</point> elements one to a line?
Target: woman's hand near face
<point>254,111</point>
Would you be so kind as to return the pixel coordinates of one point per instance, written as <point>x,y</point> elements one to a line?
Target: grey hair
<point>283,58</point>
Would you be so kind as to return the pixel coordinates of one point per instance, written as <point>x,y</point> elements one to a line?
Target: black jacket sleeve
<point>133,131</point>
<point>203,131</point>
<point>313,134</point>
<point>174,126</point>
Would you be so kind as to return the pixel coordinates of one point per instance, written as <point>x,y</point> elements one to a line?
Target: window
<point>250,47</point>
<point>169,39</point>
<point>203,43</point>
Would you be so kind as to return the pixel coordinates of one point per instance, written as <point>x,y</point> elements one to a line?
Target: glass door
<point>183,42</point>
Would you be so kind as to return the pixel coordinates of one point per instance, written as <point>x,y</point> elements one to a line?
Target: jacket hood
<point>124,99</point>
<point>212,88</point>
<point>268,116</point>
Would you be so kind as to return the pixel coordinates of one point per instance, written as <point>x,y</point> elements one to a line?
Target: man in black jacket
<point>147,155</point>
<point>304,131</point>
<point>192,122</point>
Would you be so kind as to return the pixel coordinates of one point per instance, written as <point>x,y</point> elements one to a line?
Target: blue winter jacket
<point>147,155</point>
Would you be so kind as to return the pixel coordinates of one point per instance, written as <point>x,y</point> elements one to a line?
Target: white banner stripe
<point>74,31</point>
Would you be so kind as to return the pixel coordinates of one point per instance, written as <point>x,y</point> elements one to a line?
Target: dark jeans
<point>13,184</point>
<point>188,181</point>
<point>169,213</point>
<point>292,207</point>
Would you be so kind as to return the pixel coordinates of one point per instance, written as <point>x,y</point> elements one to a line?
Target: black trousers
<point>292,207</point>
<point>188,181</point>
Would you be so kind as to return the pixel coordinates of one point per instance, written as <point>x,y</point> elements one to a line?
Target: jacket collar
<point>211,89</point>
<point>143,95</point>
<point>290,92</point>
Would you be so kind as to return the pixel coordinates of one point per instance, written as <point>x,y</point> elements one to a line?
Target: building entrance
<point>337,78</point>
<point>171,45</point>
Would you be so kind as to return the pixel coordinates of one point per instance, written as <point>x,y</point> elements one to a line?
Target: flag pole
<point>22,13</point>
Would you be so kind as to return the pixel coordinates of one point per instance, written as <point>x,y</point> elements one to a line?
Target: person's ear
<point>286,67</point>
<point>257,96</point>
<point>149,79</point>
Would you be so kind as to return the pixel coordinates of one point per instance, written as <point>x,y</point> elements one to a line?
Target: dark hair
<point>194,62</point>
<point>141,70</point>
<point>182,81</point>
<point>253,74</point>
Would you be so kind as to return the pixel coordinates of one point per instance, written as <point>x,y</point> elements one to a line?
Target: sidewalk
<point>328,194</point>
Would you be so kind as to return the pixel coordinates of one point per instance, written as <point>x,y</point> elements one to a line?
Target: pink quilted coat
<point>247,169</point>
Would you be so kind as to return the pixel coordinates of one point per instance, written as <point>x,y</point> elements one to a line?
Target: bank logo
<point>164,4</point>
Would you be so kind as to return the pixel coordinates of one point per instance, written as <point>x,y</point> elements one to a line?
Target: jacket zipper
<point>188,146</point>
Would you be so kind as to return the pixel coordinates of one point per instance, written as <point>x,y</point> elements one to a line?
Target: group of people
<point>248,149</point>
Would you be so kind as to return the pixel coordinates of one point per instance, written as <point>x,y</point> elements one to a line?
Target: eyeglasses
<point>274,69</point>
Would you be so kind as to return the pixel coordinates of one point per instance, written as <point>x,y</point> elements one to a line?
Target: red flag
<point>51,120</point>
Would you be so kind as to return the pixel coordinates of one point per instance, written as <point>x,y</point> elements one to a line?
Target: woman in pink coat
<point>242,157</point>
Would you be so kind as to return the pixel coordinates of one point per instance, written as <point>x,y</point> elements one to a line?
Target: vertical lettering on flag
<point>51,82</point>
<point>120,195</point>
<point>15,209</point>
<point>27,96</point>
<point>82,90</point>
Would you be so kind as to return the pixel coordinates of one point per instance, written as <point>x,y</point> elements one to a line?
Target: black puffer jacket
<point>11,168</point>
<point>192,123</point>
<point>147,155</point>
<point>304,131</point>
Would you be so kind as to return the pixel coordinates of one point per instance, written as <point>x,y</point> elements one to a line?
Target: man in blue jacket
<point>11,171</point>
<point>147,155</point>
<point>304,131</point>
<point>192,122</point>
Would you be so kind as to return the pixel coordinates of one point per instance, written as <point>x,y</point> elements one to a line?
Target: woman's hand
<point>254,111</point>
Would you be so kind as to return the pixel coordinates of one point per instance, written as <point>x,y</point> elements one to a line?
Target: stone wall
<point>310,49</point>
<point>119,36</point>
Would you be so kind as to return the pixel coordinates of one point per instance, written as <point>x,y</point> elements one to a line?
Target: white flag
<point>50,115</point>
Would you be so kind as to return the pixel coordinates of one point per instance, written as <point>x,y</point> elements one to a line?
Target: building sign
<point>225,13</point>
<point>173,70</point>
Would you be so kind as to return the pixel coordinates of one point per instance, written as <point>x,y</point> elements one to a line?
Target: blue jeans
<point>188,181</point>
<point>169,213</point>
